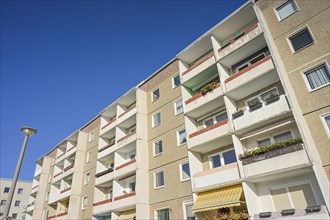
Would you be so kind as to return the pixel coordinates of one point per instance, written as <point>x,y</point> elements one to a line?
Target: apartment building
<point>235,126</point>
<point>20,199</point>
<point>169,174</point>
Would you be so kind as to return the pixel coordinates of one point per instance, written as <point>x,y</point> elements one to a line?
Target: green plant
<point>208,87</point>
<point>264,149</point>
<point>254,103</point>
<point>235,216</point>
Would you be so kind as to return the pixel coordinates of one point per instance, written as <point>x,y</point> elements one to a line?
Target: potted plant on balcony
<point>255,104</point>
<point>208,88</point>
<point>272,98</point>
<point>238,113</point>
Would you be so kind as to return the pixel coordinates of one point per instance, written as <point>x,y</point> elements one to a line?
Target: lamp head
<point>28,131</point>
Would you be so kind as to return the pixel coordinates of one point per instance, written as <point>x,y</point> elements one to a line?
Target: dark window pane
<point>301,39</point>
<point>229,156</point>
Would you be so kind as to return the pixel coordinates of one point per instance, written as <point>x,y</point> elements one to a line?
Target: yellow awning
<point>219,198</point>
<point>127,215</point>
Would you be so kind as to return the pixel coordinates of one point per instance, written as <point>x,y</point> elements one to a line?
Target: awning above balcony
<point>219,198</point>
<point>127,215</point>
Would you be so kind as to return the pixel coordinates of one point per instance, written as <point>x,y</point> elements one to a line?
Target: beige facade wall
<point>174,191</point>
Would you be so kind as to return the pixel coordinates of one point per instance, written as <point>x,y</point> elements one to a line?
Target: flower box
<point>287,212</point>
<point>255,106</point>
<point>238,114</point>
<point>272,99</point>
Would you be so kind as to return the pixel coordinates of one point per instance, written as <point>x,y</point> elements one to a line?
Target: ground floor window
<point>163,214</point>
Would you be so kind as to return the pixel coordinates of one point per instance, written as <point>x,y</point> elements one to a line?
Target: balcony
<point>34,189</point>
<point>127,139</point>
<point>68,170</point>
<point>264,114</point>
<point>57,177</point>
<point>102,207</point>
<point>64,193</point>
<point>108,126</point>
<point>200,104</point>
<point>106,150</point>
<point>199,140</point>
<point>71,150</point>
<point>63,216</point>
<point>126,168</point>
<point>130,112</point>
<point>60,156</point>
<point>104,176</point>
<point>247,42</point>
<point>216,176</point>
<point>37,171</point>
<point>30,207</point>
<point>251,79</point>
<point>124,201</point>
<point>198,67</point>
<point>287,155</point>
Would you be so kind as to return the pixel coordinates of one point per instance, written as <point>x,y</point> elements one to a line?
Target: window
<point>132,155</point>
<point>6,190</point>
<point>222,158</point>
<point>215,119</point>
<point>318,77</point>
<point>176,81</point>
<point>163,214</point>
<point>282,137</point>
<point>87,178</point>
<point>293,196</point>
<point>178,107</point>
<point>326,123</point>
<point>250,62</point>
<point>264,142</point>
<point>155,95</point>
<point>182,137</point>
<point>188,214</point>
<point>3,202</point>
<point>301,39</point>
<point>1,214</point>
<point>132,186</point>
<point>269,94</point>
<point>20,191</point>
<point>14,215</point>
<point>44,214</point>
<point>286,9</point>
<point>156,119</point>
<point>184,171</point>
<point>53,161</point>
<point>49,178</point>
<point>158,147</point>
<point>47,196</point>
<point>84,202</point>
<point>91,136</point>
<point>159,179</point>
<point>17,203</point>
<point>89,157</point>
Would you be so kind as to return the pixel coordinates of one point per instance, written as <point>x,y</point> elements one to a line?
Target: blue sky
<point>63,62</point>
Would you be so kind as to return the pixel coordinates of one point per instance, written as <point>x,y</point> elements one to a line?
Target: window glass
<point>17,203</point>
<point>264,142</point>
<point>215,160</point>
<point>155,95</point>
<point>14,216</point>
<point>176,81</point>
<point>256,59</point>
<point>163,214</point>
<point>221,117</point>
<point>269,94</point>
<point>160,179</point>
<point>3,202</point>
<point>6,190</point>
<point>182,137</point>
<point>327,121</point>
<point>84,202</point>
<point>179,107</point>
<point>87,178</point>
<point>283,136</point>
<point>185,171</point>
<point>132,186</point>
<point>286,9</point>
<point>229,156</point>
<point>20,191</point>
<point>156,119</point>
<point>158,147</point>
<point>318,76</point>
<point>91,136</point>
<point>189,213</point>
<point>301,39</point>
<point>208,122</point>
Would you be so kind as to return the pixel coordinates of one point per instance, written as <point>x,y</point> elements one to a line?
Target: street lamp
<point>27,131</point>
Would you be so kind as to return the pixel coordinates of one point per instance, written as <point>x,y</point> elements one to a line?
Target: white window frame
<point>181,171</point>
<point>222,160</point>
<point>155,176</point>
<point>47,195</point>
<point>280,5</point>
<point>296,32</point>
<point>324,62</point>
<point>249,62</point>
<point>19,203</point>
<point>286,187</point>
<point>184,206</point>
<point>163,208</point>
<point>153,119</point>
<point>91,136</point>
<point>153,99</point>
<point>173,84</point>
<point>176,107</point>
<point>214,118</point>
<point>49,178</point>
<point>271,137</point>
<point>53,162</point>
<point>154,147</point>
<point>327,129</point>
<point>18,191</point>
<point>87,178</point>
<point>89,156</point>
<point>82,202</point>
<point>178,137</point>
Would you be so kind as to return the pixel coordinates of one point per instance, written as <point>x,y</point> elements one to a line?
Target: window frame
<point>47,196</point>
<point>87,180</point>
<point>222,160</point>
<point>327,129</point>
<point>91,136</point>
<point>282,4</point>
<point>178,137</point>
<point>161,209</point>
<point>154,147</point>
<point>176,107</point>
<point>304,72</point>
<point>82,202</point>
<point>296,32</point>
<point>19,203</point>
<point>18,191</point>
<point>153,99</point>
<point>4,189</point>
<point>213,116</point>
<point>184,206</point>
<point>181,171</point>
<point>153,119</point>
<point>271,137</point>
<point>173,84</point>
<point>3,202</point>
<point>249,62</point>
<point>155,179</point>
<point>89,156</point>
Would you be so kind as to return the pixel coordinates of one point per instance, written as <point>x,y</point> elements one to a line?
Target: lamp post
<point>27,131</point>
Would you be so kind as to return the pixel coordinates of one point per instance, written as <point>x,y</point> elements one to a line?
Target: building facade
<point>235,126</point>
<point>20,199</point>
